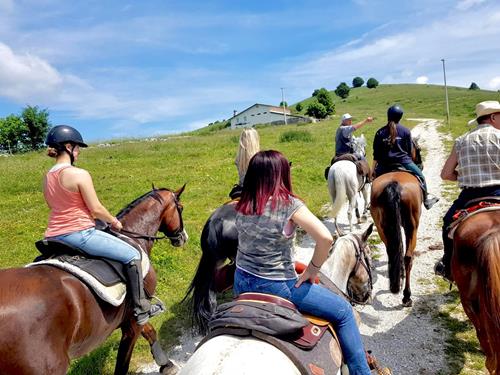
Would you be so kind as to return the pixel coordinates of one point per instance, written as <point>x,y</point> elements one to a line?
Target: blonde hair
<point>248,147</point>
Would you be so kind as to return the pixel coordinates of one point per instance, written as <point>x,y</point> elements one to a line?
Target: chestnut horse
<point>48,316</point>
<point>475,266</point>
<point>395,203</point>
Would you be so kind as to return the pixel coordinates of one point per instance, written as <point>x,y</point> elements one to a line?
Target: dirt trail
<point>407,340</point>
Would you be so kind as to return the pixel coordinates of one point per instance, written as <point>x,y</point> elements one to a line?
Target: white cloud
<point>467,4</point>
<point>25,76</point>
<point>422,79</point>
<point>494,84</point>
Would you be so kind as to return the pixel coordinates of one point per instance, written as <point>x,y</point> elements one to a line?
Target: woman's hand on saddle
<point>116,224</point>
<point>309,274</point>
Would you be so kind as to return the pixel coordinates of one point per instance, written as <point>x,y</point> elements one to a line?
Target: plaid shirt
<point>478,154</point>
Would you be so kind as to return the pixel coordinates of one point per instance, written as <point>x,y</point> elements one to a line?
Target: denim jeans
<point>315,300</point>
<point>459,203</point>
<point>100,244</point>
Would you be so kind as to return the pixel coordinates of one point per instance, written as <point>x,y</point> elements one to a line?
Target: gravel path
<point>407,340</point>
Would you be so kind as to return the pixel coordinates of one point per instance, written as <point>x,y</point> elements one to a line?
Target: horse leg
<point>411,242</point>
<point>130,334</point>
<point>167,367</point>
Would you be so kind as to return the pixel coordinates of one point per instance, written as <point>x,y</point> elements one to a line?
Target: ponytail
<point>392,131</point>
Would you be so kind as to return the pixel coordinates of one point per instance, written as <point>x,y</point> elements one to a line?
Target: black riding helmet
<point>61,134</point>
<point>394,113</point>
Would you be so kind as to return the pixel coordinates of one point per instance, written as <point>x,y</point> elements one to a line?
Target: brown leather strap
<point>261,297</point>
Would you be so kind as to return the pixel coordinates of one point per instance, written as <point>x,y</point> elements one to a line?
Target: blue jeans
<point>459,203</point>
<point>315,300</point>
<point>101,244</point>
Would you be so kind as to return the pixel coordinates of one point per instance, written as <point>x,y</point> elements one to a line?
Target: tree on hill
<point>13,132</point>
<point>25,132</point>
<point>37,122</point>
<point>371,83</point>
<point>342,90</point>
<point>358,82</point>
<point>324,97</point>
<point>298,107</point>
<point>317,110</point>
<point>473,86</point>
<point>285,104</point>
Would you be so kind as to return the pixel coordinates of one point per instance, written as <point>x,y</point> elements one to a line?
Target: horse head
<point>360,284</point>
<point>159,210</point>
<point>171,224</point>
<point>416,152</point>
<point>358,145</point>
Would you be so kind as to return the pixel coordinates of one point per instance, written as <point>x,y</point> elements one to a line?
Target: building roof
<point>271,108</point>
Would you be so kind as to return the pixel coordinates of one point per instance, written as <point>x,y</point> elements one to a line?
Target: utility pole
<point>283,102</point>
<point>446,95</point>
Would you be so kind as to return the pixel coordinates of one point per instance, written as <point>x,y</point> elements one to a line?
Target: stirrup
<point>429,202</point>
<point>440,270</point>
<point>155,309</point>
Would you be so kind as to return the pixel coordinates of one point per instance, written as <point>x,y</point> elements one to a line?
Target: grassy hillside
<point>203,159</point>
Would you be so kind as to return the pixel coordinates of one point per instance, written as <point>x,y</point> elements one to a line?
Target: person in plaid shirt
<point>475,163</point>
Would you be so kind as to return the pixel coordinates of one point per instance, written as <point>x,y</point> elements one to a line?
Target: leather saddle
<point>309,342</point>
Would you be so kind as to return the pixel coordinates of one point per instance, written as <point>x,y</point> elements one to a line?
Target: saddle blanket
<point>113,294</point>
<point>461,215</point>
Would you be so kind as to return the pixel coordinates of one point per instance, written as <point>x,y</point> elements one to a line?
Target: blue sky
<point>145,68</point>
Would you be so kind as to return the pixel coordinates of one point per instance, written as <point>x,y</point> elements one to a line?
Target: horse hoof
<point>408,303</point>
<point>169,369</point>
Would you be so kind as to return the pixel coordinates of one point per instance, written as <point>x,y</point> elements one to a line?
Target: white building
<point>264,114</point>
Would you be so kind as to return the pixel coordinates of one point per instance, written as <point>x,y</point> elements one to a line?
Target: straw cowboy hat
<point>485,108</point>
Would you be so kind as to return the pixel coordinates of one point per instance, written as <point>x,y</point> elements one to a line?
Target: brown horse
<point>475,266</point>
<point>48,316</point>
<point>396,201</point>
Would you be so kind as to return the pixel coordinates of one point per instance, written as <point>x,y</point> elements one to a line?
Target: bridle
<point>363,260</point>
<point>175,237</point>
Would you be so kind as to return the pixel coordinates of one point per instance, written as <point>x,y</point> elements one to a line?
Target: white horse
<point>344,183</point>
<point>348,267</point>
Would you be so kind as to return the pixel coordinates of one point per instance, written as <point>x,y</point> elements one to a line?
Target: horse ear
<point>153,186</point>
<point>367,233</point>
<point>179,192</point>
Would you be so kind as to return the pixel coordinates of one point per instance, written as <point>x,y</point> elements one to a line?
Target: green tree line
<point>24,132</point>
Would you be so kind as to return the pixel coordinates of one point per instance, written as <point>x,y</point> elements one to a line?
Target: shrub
<point>473,86</point>
<point>317,110</point>
<point>342,90</point>
<point>372,83</point>
<point>358,82</point>
<point>296,136</point>
<point>298,107</point>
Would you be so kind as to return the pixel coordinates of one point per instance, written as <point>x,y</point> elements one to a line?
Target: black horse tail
<point>390,199</point>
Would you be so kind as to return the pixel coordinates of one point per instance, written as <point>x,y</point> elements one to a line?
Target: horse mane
<point>488,246</point>
<point>153,194</point>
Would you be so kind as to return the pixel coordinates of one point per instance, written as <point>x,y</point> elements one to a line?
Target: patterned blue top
<point>265,242</point>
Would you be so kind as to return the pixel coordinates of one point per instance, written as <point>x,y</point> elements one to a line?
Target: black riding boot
<point>143,309</point>
<point>428,201</point>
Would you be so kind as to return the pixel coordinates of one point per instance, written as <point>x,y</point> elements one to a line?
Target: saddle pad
<point>453,226</point>
<point>114,295</point>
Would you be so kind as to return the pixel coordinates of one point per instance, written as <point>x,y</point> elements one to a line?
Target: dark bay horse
<point>348,269</point>
<point>395,203</point>
<point>48,316</point>
<point>475,266</point>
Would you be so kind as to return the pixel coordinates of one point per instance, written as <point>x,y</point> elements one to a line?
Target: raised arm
<point>320,234</point>
<point>362,123</point>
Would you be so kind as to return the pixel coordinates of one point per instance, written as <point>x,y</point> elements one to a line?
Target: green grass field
<point>203,159</point>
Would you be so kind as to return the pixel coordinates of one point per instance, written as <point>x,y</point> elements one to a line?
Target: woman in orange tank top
<point>71,197</point>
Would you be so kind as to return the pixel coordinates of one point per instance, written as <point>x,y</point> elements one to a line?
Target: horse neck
<point>143,219</point>
<point>339,265</point>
